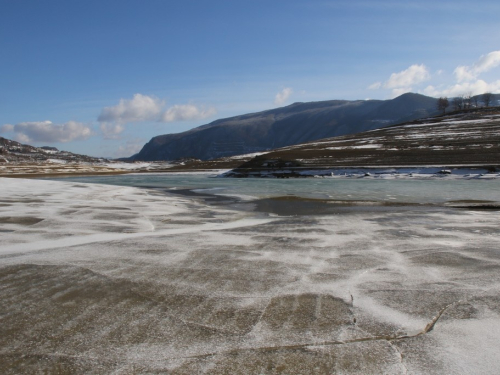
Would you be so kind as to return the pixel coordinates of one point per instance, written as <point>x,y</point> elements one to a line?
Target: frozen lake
<point>412,190</point>
<point>106,277</point>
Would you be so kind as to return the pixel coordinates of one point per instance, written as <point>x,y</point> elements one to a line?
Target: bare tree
<point>475,99</point>
<point>467,100</point>
<point>487,97</point>
<point>458,103</point>
<point>442,104</point>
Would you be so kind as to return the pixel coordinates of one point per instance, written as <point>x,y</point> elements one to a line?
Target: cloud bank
<point>475,88</point>
<point>283,96</point>
<point>147,108</point>
<point>466,79</point>
<point>139,108</point>
<point>46,131</point>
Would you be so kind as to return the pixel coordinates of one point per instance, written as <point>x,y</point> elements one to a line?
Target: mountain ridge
<point>279,127</point>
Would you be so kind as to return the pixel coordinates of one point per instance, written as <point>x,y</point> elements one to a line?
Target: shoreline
<point>373,171</point>
<point>433,171</point>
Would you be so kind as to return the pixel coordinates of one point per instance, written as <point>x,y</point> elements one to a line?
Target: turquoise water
<point>439,190</point>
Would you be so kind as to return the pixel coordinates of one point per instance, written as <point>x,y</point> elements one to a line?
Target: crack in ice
<point>387,338</point>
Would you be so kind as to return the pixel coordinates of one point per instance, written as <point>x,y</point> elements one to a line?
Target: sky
<point>103,77</point>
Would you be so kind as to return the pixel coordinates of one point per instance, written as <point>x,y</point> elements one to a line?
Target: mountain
<point>468,138</point>
<point>293,124</point>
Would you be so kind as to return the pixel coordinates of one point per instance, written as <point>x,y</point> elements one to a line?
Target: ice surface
<point>106,279</point>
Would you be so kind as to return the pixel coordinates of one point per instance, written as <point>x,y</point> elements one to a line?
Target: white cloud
<point>186,112</point>
<point>467,80</point>
<point>139,108</point>
<point>7,128</point>
<point>46,131</point>
<point>283,96</point>
<point>463,73</point>
<point>147,108</point>
<point>403,81</point>
<point>406,78</point>
<point>485,63</point>
<point>431,91</point>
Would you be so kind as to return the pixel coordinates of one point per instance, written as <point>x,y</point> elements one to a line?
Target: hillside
<point>22,160</point>
<point>15,152</point>
<point>293,124</point>
<point>463,139</point>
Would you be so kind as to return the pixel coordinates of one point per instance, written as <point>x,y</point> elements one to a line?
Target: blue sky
<point>103,77</point>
